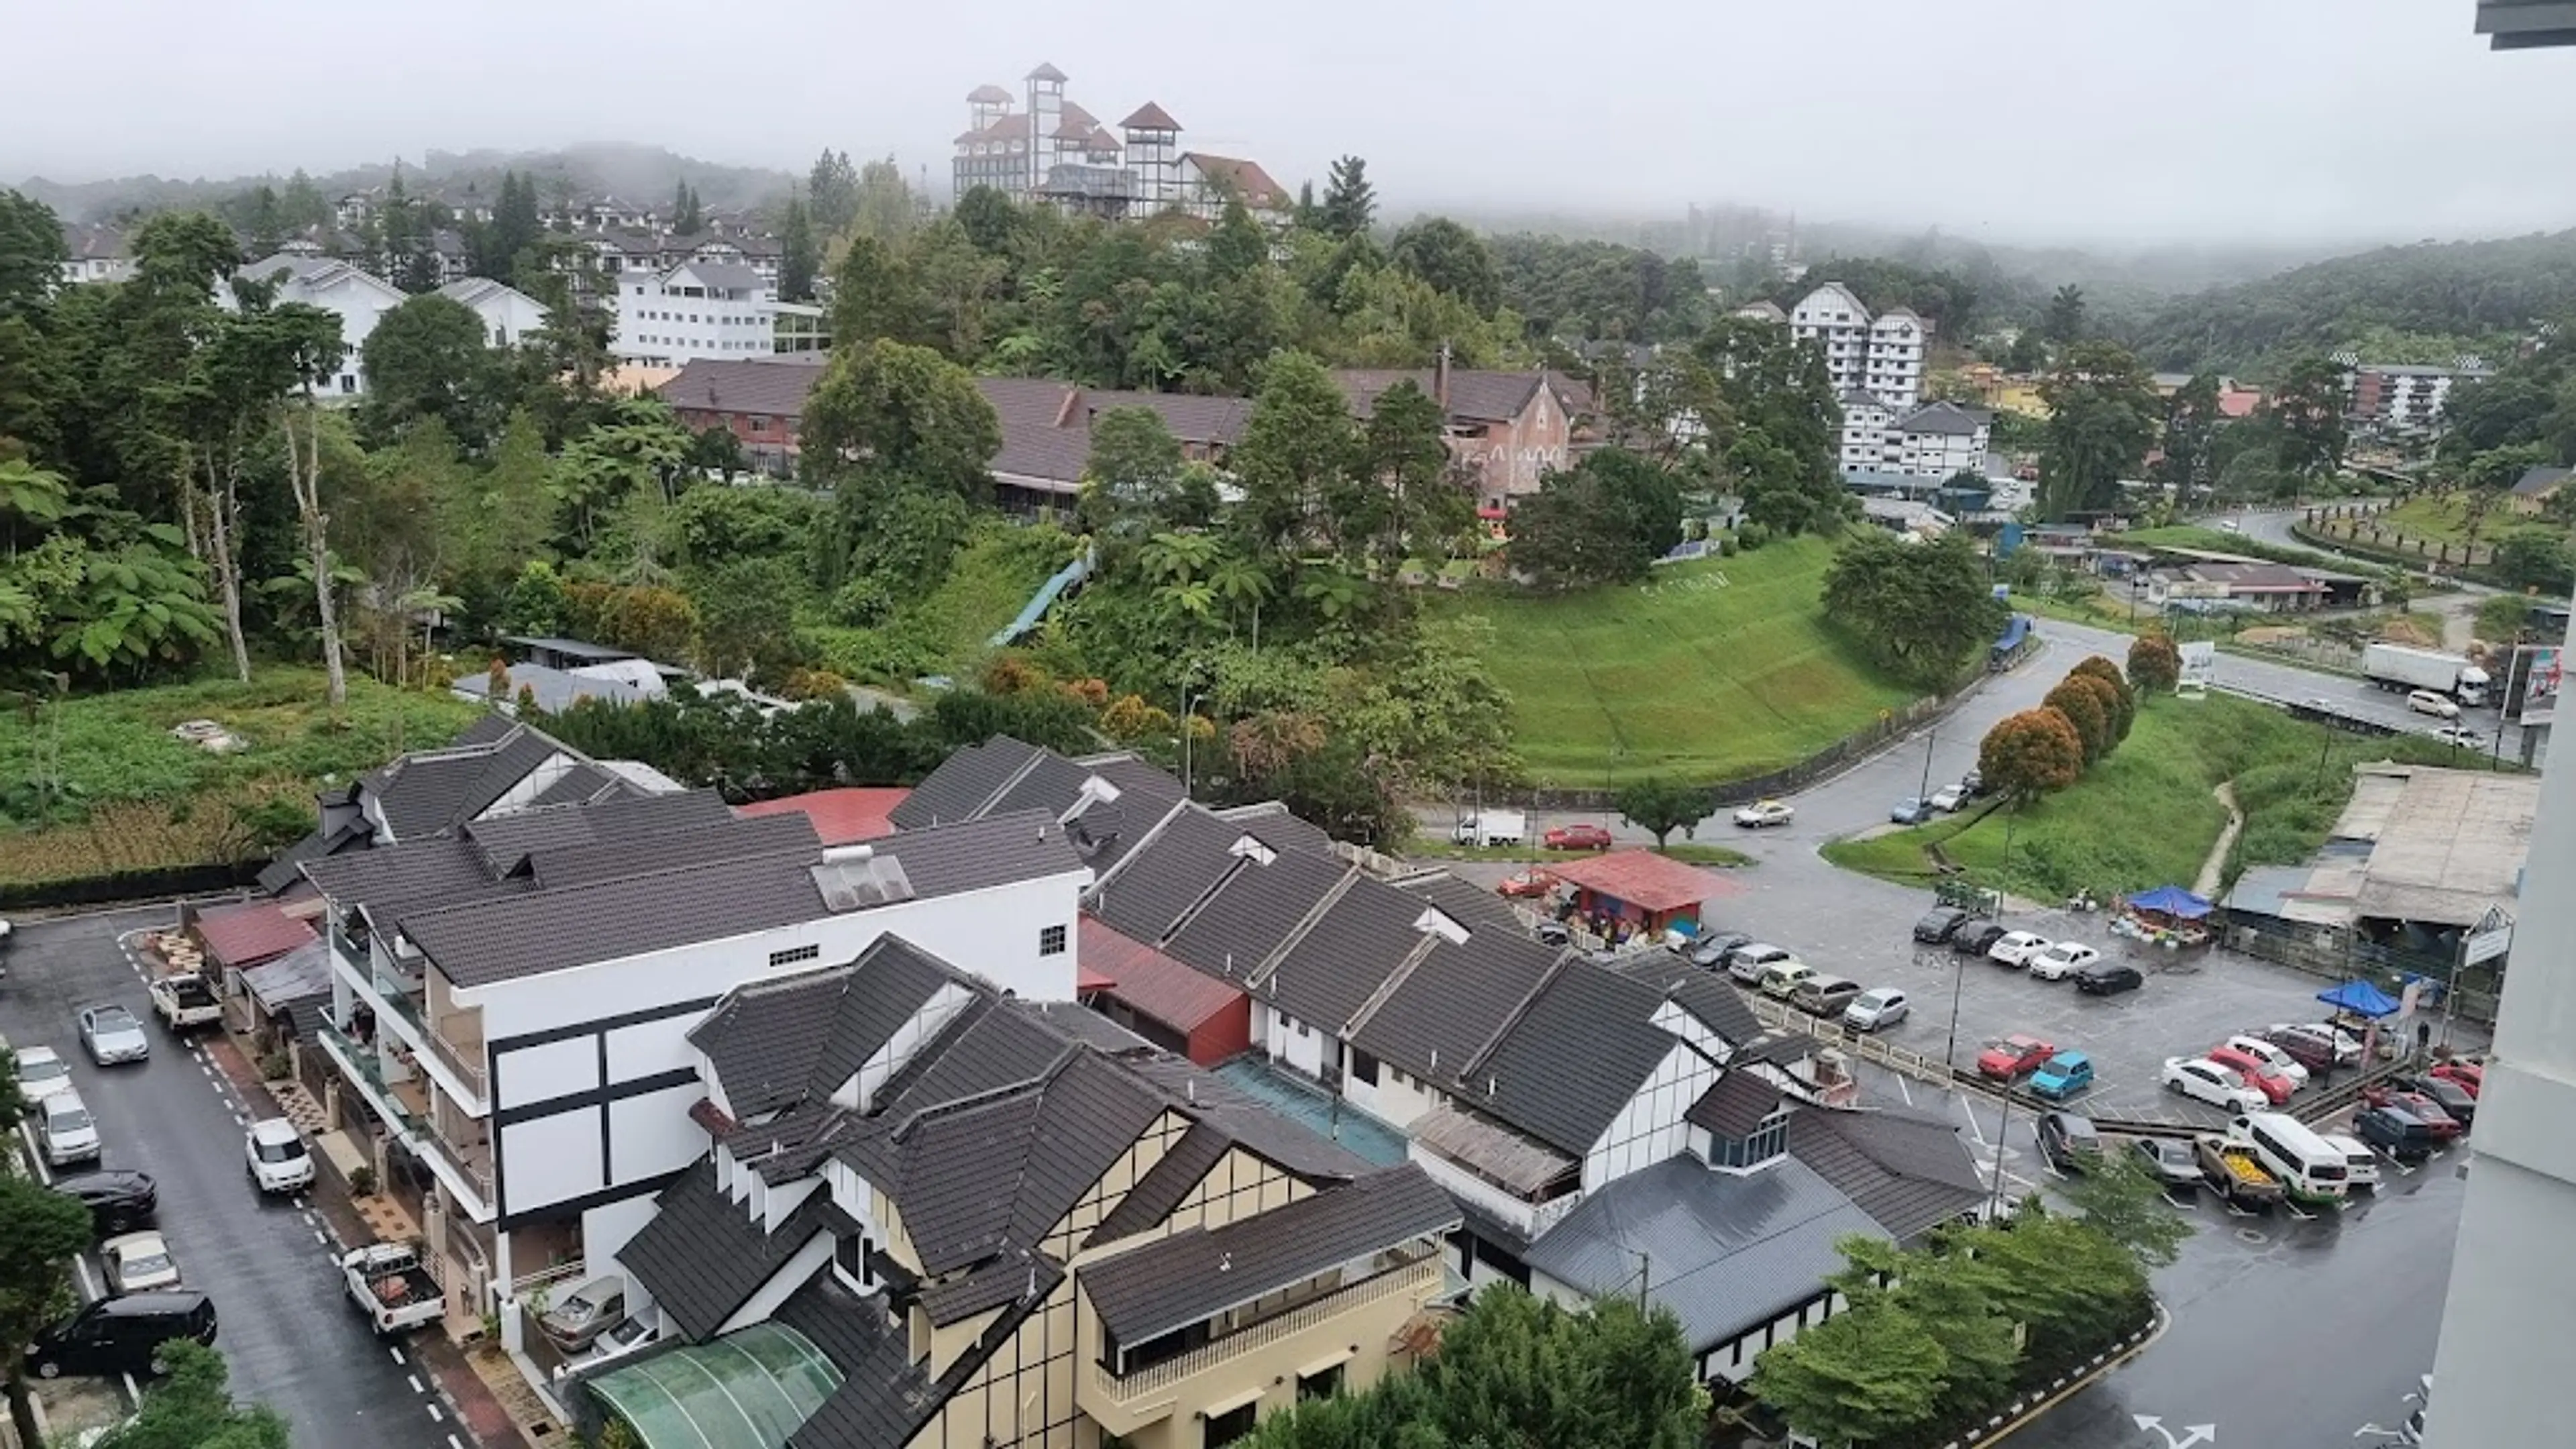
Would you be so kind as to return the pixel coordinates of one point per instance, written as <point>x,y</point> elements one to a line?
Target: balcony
<point>357,1062</point>
<point>450,1044</point>
<point>1417,1281</point>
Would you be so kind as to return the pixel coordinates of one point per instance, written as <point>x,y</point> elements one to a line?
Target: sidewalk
<point>471,1403</point>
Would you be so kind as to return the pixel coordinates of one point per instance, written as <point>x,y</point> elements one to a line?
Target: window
<point>794,954</point>
<point>1051,940</point>
<point>851,1253</point>
<point>1233,1424</point>
<point>1320,1386</point>
<point>1363,1068</point>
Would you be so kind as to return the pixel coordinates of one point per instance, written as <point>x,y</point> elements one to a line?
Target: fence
<point>2334,954</point>
<point>130,885</point>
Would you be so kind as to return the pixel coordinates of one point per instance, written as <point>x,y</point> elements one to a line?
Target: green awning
<point>747,1390</point>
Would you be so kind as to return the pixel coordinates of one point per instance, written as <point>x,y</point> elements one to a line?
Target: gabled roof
<point>1707,995</point>
<point>778,1042</point>
<point>2541,482</point>
<point>1645,878</point>
<point>1475,395</point>
<point>1907,1170</point>
<point>702,1257</point>
<point>1736,1106</point>
<point>242,936</point>
<point>1240,180</point>
<point>884,1398</point>
<point>424,793</point>
<point>965,783</point>
<point>771,387</point>
<point>1192,1275</point>
<point>1453,1001</point>
<point>1946,418</point>
<point>1254,910</point>
<point>1045,72</point>
<point>844,816</point>
<point>1579,1052</point>
<point>1150,117</point>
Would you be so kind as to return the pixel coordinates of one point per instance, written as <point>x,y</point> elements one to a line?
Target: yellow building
<point>2021,396</point>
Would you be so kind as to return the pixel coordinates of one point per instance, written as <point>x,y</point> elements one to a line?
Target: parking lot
<point>285,1326</point>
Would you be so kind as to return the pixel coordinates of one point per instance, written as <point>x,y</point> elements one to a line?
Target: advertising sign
<point>2200,662</point>
<point>2535,683</point>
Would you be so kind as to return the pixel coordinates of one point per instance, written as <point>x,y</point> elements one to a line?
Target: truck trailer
<point>2394,666</point>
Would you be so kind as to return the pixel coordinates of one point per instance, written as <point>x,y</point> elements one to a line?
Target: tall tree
<point>874,295</point>
<point>2154,664</point>
<point>2307,406</point>
<point>688,218</point>
<point>2102,417</point>
<point>308,341</point>
<point>1860,1377</point>
<point>2192,419</point>
<point>884,207</point>
<point>833,186</point>
<point>1298,445</point>
<point>1605,520</point>
<point>2121,1201</point>
<point>2065,322</point>
<point>990,219</point>
<point>1408,499</point>
<point>1771,430</point>
<point>428,358</point>
<point>1924,612</point>
<point>41,1231</point>
<point>1350,202</point>
<point>885,411</point>
<point>2030,754</point>
<point>497,245</point>
<point>192,1408</point>
<point>799,255</point>
<point>1660,807</point>
<point>1452,259</point>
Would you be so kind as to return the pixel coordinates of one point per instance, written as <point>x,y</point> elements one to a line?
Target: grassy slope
<point>2219,540</point>
<point>2145,816</point>
<point>946,630</point>
<point>1692,679</point>
<point>149,800</point>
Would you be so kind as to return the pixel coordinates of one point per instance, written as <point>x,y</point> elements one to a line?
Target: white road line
<point>1903,1090</point>
<point>454,1443</point>
<point>435,1416</point>
<point>133,1390</point>
<point>396,1351</point>
<point>27,1134</point>
<point>415,1384</point>
<point>317,1237</point>
<point>1975,1129</point>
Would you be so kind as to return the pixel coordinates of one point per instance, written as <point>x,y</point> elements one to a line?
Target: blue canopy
<point>2360,998</point>
<point>2170,901</point>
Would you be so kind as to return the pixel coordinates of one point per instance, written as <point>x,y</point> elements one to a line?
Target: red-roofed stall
<point>236,938</point>
<point>841,817</point>
<point>1641,890</point>
<point>1174,1006</point>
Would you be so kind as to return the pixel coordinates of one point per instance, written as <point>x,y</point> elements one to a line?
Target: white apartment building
<point>1864,435</point>
<point>1940,440</point>
<point>698,309</point>
<point>1882,356</point>
<point>509,315</point>
<point>359,300</point>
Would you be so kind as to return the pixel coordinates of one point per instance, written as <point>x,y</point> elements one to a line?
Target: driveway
<point>285,1326</point>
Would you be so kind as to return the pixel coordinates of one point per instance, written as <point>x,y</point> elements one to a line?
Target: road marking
<point>452,1443</point>
<point>80,1269</point>
<point>1903,1090</point>
<point>435,1416</point>
<point>27,1135</point>
<point>317,1237</point>
<point>415,1384</point>
<point>396,1351</point>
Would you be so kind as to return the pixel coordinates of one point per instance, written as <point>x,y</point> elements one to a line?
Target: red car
<point>1576,837</point>
<point>2414,1104</point>
<point>2014,1056</point>
<point>2259,1074</point>
<point>1528,885</point>
<point>2470,1075</point>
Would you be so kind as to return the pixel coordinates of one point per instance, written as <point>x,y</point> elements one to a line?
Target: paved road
<point>287,1330</point>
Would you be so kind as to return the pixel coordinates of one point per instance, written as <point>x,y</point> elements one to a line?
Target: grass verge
<point>1428,847</point>
<point>1709,671</point>
<point>2145,816</point>
<point>947,630</point>
<point>2220,540</point>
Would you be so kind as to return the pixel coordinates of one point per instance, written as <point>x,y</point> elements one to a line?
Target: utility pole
<point>1929,737</point>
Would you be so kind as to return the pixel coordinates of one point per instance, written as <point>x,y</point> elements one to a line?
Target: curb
<point>2021,1413</point>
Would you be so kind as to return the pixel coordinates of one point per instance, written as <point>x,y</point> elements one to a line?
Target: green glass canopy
<point>747,1390</point>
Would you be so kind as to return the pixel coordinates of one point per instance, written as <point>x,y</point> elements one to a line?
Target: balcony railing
<point>470,1162</point>
<point>466,1065</point>
<point>1418,1278</point>
<point>358,1059</point>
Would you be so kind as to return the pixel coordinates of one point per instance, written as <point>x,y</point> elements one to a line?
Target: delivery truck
<point>2394,666</point>
<point>1492,827</point>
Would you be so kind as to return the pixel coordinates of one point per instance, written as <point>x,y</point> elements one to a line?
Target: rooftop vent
<point>856,882</point>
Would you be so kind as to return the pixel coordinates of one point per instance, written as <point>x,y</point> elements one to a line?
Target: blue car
<point>1910,811</point>
<point>2063,1075</point>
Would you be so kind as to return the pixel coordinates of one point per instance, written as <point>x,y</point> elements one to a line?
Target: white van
<point>2361,1164</point>
<point>2311,1169</point>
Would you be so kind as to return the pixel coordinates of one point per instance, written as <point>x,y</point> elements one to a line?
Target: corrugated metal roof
<point>1150,983</point>
<point>1491,1148</point>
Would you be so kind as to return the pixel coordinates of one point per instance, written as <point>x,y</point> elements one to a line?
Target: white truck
<point>2394,666</point>
<point>390,1285</point>
<point>1492,827</point>
<point>185,1002</point>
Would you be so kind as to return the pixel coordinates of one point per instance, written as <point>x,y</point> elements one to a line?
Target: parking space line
<point>453,1443</point>
<point>27,1135</point>
<point>396,1351</point>
<point>435,1416</point>
<point>317,1237</point>
<point>415,1383</point>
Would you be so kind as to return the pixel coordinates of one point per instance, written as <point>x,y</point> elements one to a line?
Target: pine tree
<point>798,256</point>
<point>1350,202</point>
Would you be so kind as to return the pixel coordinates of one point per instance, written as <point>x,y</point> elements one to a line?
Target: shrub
<point>1752,536</point>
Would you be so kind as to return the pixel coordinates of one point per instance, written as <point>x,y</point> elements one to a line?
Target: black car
<point>2108,978</point>
<point>2170,1161</point>
<point>2395,1131</point>
<point>1939,924</point>
<point>1976,938</point>
<point>1712,949</point>
<point>2067,1140</point>
<point>2308,1049</point>
<point>2455,1099</point>
<point>118,1202</point>
<point>122,1335</point>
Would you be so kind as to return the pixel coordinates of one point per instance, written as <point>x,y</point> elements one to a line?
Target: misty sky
<point>2143,120</point>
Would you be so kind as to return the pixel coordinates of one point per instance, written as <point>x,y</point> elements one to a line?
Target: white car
<point>1949,797</point>
<point>628,1335</point>
<point>2264,1051</point>
<point>137,1263</point>
<point>2440,706</point>
<point>2057,961</point>
<point>1765,812</point>
<point>66,1130</point>
<point>2460,736</point>
<point>278,1161</point>
<point>1747,963</point>
<point>113,1035</point>
<point>2361,1165</point>
<point>2203,1080</point>
<point>2015,947</point>
<point>42,1073</point>
<point>1885,1006</point>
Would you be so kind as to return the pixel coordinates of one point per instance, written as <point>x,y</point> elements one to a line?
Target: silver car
<point>112,1035</point>
<point>579,1317</point>
<point>1871,1010</point>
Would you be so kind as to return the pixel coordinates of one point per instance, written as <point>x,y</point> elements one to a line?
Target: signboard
<point>2200,662</point>
<point>2491,937</point>
<point>2535,683</point>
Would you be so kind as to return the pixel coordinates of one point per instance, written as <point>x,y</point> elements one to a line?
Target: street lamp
<point>1189,702</point>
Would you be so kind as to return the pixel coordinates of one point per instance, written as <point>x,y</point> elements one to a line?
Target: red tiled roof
<point>239,937</point>
<point>1150,117</point>
<point>1150,982</point>
<point>2239,402</point>
<point>1087,980</point>
<point>841,817</point>
<point>1643,878</point>
<point>1245,180</point>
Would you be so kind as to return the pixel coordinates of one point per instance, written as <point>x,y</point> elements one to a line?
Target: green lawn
<point>2220,540</point>
<point>2145,816</point>
<point>1708,671</point>
<point>132,797</point>
<point>2443,520</point>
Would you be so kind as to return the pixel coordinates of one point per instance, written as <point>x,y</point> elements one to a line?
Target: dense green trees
<point>191,1408</point>
<point>41,1231</point>
<point>429,358</point>
<point>1925,612</point>
<point>2102,419</point>
<point>1605,520</point>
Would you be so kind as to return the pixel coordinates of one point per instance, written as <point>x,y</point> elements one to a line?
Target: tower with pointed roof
<point>1046,117</point>
<point>1154,153</point>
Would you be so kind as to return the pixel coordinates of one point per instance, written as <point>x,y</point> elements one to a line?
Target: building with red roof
<point>1647,891</point>
<point>1175,1006</point>
<point>841,817</point>
<point>236,938</point>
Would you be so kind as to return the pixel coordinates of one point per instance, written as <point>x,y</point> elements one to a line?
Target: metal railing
<point>1420,1276</point>
<point>359,1060</point>
<point>455,1157</point>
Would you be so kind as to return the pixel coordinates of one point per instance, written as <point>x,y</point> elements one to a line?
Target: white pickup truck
<point>185,1002</point>
<point>390,1286</point>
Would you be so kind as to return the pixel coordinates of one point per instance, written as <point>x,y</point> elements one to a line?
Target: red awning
<point>1150,983</point>
<point>240,937</point>
<point>1644,879</point>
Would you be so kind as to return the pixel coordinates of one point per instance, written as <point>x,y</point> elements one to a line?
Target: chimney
<point>1440,379</point>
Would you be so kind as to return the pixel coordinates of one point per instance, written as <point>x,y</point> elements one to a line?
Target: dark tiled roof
<point>575,786</point>
<point>702,1257</point>
<point>506,840</point>
<point>1578,1054</point>
<point>288,868</point>
<point>424,794</point>
<point>641,853</point>
<point>1192,1275</point>
<point>1164,1184</point>
<point>1345,957</point>
<point>1449,1006</point>
<point>1150,117</point>
<point>1736,1106</point>
<point>1165,875</point>
<point>481,942</point>
<point>1470,905</point>
<point>1251,914</point>
<point>1907,1170</point>
<point>1474,396</point>
<point>2540,482</point>
<point>1281,829</point>
<point>392,881</point>
<point>773,1043</point>
<point>1018,1276</point>
<point>773,388</point>
<point>1708,995</point>
<point>1240,178</point>
<point>964,784</point>
<point>984,1049</point>
<point>980,854</point>
<point>1050,783</point>
<point>884,1399</point>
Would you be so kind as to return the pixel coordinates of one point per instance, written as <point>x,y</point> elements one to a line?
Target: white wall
<point>605,1232</point>
<point>510,317</point>
<point>782,1285</point>
<point>1650,1128</point>
<point>549,1160</point>
<point>1299,1044</point>
<point>655,322</point>
<point>554,1069</point>
<point>1397,1098</point>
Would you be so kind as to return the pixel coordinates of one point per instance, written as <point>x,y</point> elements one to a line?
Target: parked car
<point>1949,797</point>
<point>1939,924</point>
<point>1526,885</point>
<point>111,1034</point>
<point>2472,1076</point>
<point>66,1131</point>
<point>2442,1125</point>
<point>2012,948</point>
<point>582,1315</point>
<point>118,1202</point>
<point>1973,783</point>
<point>185,1002</point>
<point>2346,1043</point>
<point>2425,701</point>
<point>1877,1009</point>
<point>1553,933</point>
<point>2258,1073</point>
<point>42,1073</point>
<point>1765,812</point>
<point>2239,1176</point>
<point>2360,1165</point>
<point>2013,1056</point>
<point>623,1338</point>
<point>1976,938</point>
<point>2063,1075</point>
<point>1749,962</point>
<point>138,1263</point>
<point>2203,1080</point>
<point>1712,948</point>
<point>2456,1100</point>
<point>1783,978</point>
<point>2307,1048</point>
<point>2068,1141</point>
<point>2108,978</point>
<point>2281,1059</point>
<point>2170,1161</point>
<point>1912,810</point>
<point>1576,837</point>
<point>389,1285</point>
<point>276,1155</point>
<point>2403,1136</point>
<point>1824,995</point>
<point>2060,959</point>
<point>2460,737</point>
<point>122,1335</point>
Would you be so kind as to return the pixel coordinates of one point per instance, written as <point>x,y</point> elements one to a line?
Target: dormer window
<point>1768,1140</point>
